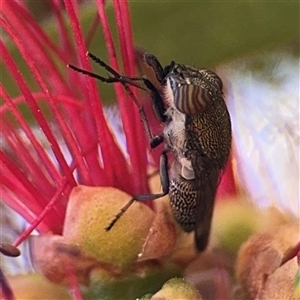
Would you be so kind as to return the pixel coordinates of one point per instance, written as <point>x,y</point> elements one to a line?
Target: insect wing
<point>207,181</point>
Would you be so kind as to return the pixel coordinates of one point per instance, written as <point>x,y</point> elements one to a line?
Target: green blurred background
<point>197,33</point>
<point>204,33</point>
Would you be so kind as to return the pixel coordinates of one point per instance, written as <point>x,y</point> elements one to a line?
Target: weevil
<point>197,130</point>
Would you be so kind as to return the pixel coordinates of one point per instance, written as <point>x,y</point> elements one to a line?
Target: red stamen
<point>227,186</point>
<point>32,103</point>
<point>92,31</point>
<point>126,20</point>
<point>6,290</point>
<point>138,158</point>
<point>65,41</point>
<point>31,137</point>
<point>37,32</point>
<point>73,282</point>
<point>39,96</point>
<point>21,205</point>
<point>42,215</point>
<point>34,176</point>
<point>21,175</point>
<point>130,125</point>
<point>116,169</point>
<point>31,42</point>
<point>60,121</point>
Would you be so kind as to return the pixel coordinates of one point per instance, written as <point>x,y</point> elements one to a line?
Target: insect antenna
<point>126,82</point>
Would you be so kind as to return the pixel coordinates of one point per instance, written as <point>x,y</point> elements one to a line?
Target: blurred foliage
<point>192,32</point>
<point>131,286</point>
<point>210,32</point>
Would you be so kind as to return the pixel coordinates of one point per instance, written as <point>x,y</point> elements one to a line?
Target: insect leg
<point>153,62</point>
<point>160,72</point>
<point>91,74</point>
<point>116,76</point>
<point>160,109</point>
<point>125,81</point>
<point>164,177</point>
<point>156,140</point>
<point>157,101</point>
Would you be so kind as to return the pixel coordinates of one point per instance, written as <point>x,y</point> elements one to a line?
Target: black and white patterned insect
<point>197,130</point>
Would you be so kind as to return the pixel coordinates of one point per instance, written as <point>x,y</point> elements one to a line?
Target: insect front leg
<point>153,62</point>
<point>159,108</point>
<point>164,178</point>
<point>156,141</point>
<point>157,101</point>
<point>115,77</point>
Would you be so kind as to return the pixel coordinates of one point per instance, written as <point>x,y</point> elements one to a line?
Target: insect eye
<point>191,99</point>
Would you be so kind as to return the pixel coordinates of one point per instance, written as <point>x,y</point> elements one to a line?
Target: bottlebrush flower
<point>63,167</point>
<point>69,164</point>
<point>79,145</point>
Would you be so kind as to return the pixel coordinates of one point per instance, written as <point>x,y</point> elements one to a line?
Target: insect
<point>197,130</point>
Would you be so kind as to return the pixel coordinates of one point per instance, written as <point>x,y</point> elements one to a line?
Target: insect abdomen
<point>183,199</point>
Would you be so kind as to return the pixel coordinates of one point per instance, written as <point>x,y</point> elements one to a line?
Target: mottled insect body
<point>197,130</point>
